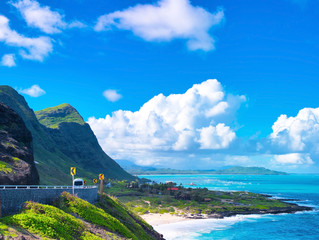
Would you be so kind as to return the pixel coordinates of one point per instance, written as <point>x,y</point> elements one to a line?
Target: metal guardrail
<point>40,187</point>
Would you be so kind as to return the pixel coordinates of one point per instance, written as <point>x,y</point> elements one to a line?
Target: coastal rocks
<point>16,154</point>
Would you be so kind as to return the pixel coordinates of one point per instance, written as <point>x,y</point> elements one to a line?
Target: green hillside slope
<point>73,218</point>
<point>61,141</point>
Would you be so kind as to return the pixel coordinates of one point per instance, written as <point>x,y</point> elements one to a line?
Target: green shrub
<point>47,221</point>
<point>92,214</point>
<point>118,210</point>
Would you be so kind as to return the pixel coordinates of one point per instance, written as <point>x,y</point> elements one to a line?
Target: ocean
<point>301,225</point>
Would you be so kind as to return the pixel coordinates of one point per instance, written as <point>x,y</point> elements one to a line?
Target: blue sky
<point>106,56</point>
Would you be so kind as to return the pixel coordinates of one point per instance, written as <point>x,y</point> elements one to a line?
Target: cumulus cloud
<point>34,91</point>
<point>30,48</point>
<point>43,18</point>
<point>218,137</point>
<point>166,20</point>
<point>294,159</point>
<point>112,95</point>
<point>300,133</point>
<point>296,138</point>
<point>8,60</point>
<point>190,121</point>
<point>40,17</point>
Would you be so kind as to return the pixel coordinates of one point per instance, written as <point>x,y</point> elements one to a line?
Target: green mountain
<point>61,139</point>
<point>144,170</point>
<point>249,171</point>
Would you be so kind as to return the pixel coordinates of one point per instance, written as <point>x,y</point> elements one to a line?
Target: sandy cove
<point>156,219</point>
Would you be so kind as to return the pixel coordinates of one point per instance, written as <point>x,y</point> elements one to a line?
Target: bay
<point>302,225</point>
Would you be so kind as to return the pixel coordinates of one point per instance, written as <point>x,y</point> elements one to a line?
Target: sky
<point>175,83</point>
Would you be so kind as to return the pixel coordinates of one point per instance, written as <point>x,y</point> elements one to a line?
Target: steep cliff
<point>16,154</point>
<point>61,141</point>
<point>76,140</point>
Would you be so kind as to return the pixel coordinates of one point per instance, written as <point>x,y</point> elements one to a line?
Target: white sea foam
<point>192,229</point>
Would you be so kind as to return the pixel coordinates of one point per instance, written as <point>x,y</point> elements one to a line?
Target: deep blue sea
<point>301,226</point>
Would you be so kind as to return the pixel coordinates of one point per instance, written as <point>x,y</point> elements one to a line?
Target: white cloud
<point>43,18</point>
<point>34,91</point>
<point>296,139</point>
<point>294,159</point>
<point>40,17</point>
<point>30,48</point>
<point>166,20</point>
<point>176,123</point>
<point>112,95</point>
<point>300,133</point>
<point>77,24</point>
<point>218,137</point>
<point>8,60</point>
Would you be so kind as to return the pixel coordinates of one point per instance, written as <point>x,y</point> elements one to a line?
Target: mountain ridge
<point>149,170</point>
<point>51,145</point>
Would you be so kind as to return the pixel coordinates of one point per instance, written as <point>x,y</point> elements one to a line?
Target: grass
<point>47,221</point>
<point>157,199</point>
<point>4,230</point>
<point>52,117</point>
<point>5,167</point>
<point>65,221</point>
<point>119,211</point>
<point>92,214</point>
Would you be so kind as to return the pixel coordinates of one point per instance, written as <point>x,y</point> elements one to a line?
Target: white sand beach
<point>156,219</point>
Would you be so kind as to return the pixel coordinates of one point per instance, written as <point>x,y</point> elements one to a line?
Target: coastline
<point>156,219</point>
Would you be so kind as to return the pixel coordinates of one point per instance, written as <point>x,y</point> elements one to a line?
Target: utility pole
<point>101,177</point>
<point>73,172</point>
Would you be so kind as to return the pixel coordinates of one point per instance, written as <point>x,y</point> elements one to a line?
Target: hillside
<point>144,170</point>
<point>16,154</point>
<point>249,171</point>
<point>73,218</point>
<point>61,141</point>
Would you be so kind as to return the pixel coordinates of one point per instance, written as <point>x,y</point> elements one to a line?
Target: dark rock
<point>16,154</point>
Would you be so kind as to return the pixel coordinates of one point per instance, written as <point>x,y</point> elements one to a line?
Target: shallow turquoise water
<point>304,225</point>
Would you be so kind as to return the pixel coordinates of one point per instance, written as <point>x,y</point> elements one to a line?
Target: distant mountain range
<point>143,170</point>
<point>61,139</point>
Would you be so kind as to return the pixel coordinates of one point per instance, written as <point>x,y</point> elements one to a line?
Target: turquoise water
<point>303,225</point>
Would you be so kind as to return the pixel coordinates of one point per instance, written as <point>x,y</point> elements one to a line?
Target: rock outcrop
<point>16,154</point>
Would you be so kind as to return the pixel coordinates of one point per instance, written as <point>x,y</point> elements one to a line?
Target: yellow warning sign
<point>84,181</point>
<point>94,181</point>
<point>101,176</point>
<point>73,170</point>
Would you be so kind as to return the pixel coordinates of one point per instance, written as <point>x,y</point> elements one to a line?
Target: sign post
<point>73,172</point>
<point>101,177</point>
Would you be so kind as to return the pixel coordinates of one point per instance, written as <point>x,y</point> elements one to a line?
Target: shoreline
<point>157,219</point>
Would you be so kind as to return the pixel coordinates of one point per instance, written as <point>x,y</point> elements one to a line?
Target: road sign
<point>101,176</point>
<point>84,181</point>
<point>73,171</point>
<point>94,181</point>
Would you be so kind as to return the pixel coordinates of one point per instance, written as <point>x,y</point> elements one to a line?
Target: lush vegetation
<point>119,211</point>
<point>169,198</point>
<point>47,221</point>
<point>6,231</point>
<point>5,167</point>
<point>52,117</point>
<point>92,214</point>
<point>73,218</point>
